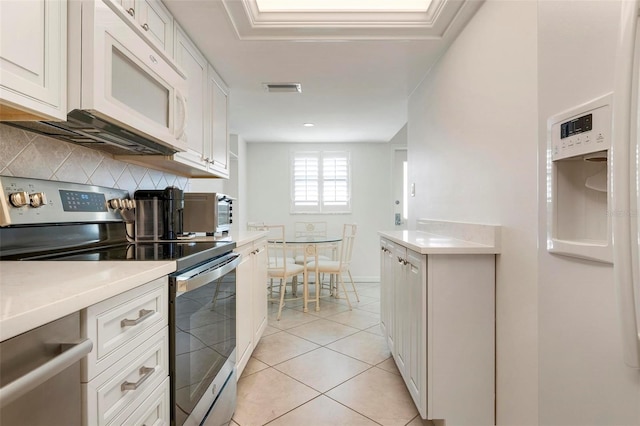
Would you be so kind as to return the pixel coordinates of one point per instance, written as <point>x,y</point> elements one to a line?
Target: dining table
<point>310,246</point>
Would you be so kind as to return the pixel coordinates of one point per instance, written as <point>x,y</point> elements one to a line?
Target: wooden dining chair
<point>342,265</point>
<point>313,230</point>
<point>309,229</point>
<point>256,226</point>
<point>282,272</point>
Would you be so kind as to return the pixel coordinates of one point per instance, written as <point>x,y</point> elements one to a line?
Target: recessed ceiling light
<point>308,124</point>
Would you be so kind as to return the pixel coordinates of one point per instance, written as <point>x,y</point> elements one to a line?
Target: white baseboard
<point>366,279</point>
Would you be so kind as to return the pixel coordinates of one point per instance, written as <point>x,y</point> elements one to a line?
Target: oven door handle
<point>189,281</point>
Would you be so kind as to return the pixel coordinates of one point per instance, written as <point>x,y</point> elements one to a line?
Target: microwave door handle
<point>182,111</point>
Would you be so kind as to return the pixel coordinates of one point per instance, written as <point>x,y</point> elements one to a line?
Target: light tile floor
<point>330,367</point>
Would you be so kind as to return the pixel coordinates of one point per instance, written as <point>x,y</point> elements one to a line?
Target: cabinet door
<point>217,150</point>
<point>33,59</point>
<point>401,326</point>
<point>416,310</point>
<point>387,309</point>
<point>156,20</point>
<point>244,308</point>
<point>194,65</point>
<point>260,293</point>
<point>128,5</point>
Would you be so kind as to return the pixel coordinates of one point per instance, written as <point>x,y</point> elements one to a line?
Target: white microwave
<point>123,78</point>
<point>125,95</point>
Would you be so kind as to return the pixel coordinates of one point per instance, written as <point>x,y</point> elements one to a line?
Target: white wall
<point>268,195</point>
<point>583,379</point>
<point>472,139</point>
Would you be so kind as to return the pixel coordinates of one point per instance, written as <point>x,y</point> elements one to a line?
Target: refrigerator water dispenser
<point>578,181</point>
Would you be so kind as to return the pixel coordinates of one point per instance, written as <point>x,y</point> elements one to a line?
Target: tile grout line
<point>368,329</point>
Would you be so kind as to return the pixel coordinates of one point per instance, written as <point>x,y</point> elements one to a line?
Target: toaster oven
<point>208,212</point>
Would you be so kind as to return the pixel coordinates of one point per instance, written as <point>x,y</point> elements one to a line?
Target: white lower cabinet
<point>260,292</point>
<point>251,300</point>
<point>438,316</point>
<point>125,377</point>
<point>244,299</point>
<point>387,298</point>
<point>153,411</point>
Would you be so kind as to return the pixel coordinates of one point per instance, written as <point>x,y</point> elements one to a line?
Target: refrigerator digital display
<point>577,125</point>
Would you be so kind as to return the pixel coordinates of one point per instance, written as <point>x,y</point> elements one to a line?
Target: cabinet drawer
<point>121,389</point>
<point>153,411</point>
<point>116,324</point>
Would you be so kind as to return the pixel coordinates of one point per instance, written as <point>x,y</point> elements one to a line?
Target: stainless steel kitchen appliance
<point>47,220</point>
<point>159,214</point>
<point>208,212</point>
<point>40,375</point>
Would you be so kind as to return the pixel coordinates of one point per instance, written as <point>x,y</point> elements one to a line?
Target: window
<point>343,5</point>
<point>320,182</point>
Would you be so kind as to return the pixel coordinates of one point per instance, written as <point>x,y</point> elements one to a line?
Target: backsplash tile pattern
<point>28,154</point>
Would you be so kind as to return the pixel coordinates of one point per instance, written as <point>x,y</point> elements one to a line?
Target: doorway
<point>400,188</point>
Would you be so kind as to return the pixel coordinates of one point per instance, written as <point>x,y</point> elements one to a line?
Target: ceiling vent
<point>282,87</point>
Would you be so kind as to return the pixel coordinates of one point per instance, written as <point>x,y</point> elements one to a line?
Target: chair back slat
<point>256,226</point>
<point>346,247</point>
<point>311,229</point>
<point>276,246</point>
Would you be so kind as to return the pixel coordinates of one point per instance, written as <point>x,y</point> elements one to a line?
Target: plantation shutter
<point>320,182</point>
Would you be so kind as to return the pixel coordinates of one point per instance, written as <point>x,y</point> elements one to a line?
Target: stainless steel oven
<point>203,323</point>
<point>47,220</point>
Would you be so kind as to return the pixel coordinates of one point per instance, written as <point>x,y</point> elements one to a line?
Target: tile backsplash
<point>27,154</point>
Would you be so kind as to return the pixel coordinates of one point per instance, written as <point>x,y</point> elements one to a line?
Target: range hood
<point>84,128</point>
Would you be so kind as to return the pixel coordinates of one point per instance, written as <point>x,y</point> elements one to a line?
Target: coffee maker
<point>159,214</point>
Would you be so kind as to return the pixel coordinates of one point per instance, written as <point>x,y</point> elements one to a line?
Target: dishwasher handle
<point>34,378</point>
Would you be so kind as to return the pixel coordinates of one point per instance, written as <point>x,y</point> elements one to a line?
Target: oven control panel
<point>26,201</point>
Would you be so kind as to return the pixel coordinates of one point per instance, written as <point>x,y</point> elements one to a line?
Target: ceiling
<point>356,74</point>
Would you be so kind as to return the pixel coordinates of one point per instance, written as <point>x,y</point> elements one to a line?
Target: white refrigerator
<point>589,290</point>
<point>625,175</point>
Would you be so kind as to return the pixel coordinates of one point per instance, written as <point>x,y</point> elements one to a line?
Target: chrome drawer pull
<point>144,314</point>
<point>146,372</point>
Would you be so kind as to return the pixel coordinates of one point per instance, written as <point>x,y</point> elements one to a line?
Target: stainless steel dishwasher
<point>40,375</point>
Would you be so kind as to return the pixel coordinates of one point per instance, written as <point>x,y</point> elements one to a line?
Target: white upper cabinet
<point>217,148</point>
<point>154,18</point>
<point>157,22</point>
<point>194,65</point>
<point>33,60</point>
<point>207,99</point>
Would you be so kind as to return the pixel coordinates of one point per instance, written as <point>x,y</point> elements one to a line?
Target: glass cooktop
<point>186,254</point>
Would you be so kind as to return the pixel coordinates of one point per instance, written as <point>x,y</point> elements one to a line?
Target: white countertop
<point>35,293</point>
<point>427,243</point>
